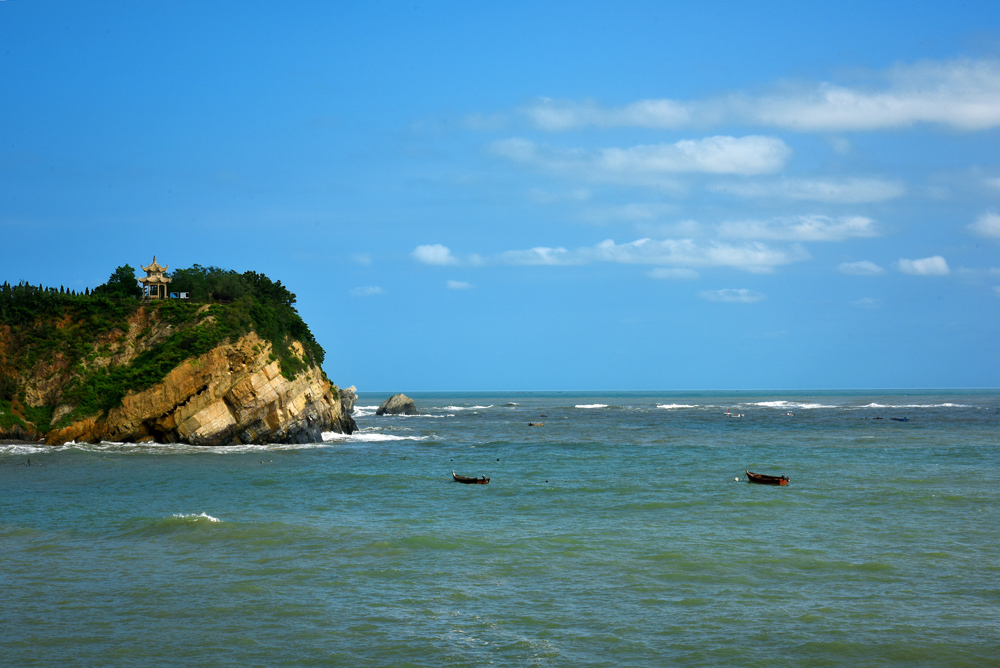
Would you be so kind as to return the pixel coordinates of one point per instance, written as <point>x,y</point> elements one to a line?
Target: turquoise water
<point>614,535</point>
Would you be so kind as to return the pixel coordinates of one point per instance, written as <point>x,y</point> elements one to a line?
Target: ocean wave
<point>670,406</point>
<point>944,405</point>
<point>201,517</point>
<point>368,411</point>
<point>116,447</point>
<point>23,449</point>
<point>425,416</point>
<point>365,436</point>
<point>591,406</point>
<point>192,526</point>
<point>790,404</point>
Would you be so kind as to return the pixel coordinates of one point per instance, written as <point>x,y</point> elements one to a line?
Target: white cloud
<point>996,289</point>
<point>963,94</point>
<point>987,225</point>
<point>715,155</point>
<point>541,255</point>
<point>836,191</point>
<point>867,302</point>
<point>994,182</point>
<point>434,254</point>
<point>751,256</point>
<point>863,268</point>
<point>364,259</point>
<point>741,295</point>
<point>673,274</point>
<point>801,228</point>
<point>753,154</point>
<point>928,266</point>
<point>367,291</point>
<point>459,285</point>
<point>550,114</point>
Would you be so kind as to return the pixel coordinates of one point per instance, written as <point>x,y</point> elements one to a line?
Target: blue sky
<point>543,195</point>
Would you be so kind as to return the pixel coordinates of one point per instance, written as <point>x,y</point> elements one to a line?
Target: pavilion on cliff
<point>154,286</point>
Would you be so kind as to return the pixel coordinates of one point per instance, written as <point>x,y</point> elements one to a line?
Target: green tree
<point>121,285</point>
<point>8,387</point>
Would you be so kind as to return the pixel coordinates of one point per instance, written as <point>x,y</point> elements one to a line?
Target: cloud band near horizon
<point>963,94</point>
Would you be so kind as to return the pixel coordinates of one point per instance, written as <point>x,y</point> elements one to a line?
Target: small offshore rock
<point>348,397</point>
<point>397,404</point>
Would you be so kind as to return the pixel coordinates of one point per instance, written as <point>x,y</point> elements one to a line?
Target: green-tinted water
<point>614,535</point>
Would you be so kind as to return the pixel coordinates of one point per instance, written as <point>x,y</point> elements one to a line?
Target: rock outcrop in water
<point>85,368</point>
<point>397,404</point>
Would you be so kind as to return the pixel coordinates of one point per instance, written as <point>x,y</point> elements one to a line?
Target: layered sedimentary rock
<point>233,394</point>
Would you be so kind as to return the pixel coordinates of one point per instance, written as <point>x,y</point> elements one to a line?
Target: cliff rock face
<point>230,395</point>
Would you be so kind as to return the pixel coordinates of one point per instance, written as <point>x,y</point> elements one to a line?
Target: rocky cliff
<point>230,395</point>
<point>234,392</point>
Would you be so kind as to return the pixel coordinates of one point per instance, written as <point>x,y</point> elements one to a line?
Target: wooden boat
<point>762,479</point>
<point>470,481</point>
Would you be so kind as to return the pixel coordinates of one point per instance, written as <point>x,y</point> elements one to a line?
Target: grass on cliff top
<point>50,328</point>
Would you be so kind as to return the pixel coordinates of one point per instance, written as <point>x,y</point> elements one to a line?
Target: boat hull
<point>466,480</point>
<point>762,479</point>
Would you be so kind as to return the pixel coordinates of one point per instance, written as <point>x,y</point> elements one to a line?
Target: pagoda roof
<point>155,279</point>
<point>155,267</point>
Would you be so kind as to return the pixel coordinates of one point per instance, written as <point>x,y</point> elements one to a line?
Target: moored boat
<point>483,480</point>
<point>763,479</point>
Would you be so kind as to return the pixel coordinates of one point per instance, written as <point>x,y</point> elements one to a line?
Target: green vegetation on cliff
<point>47,332</point>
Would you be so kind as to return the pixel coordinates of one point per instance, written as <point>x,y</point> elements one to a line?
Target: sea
<point>617,529</point>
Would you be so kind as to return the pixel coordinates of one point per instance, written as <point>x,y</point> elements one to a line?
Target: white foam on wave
<point>365,436</point>
<point>790,404</point>
<point>179,448</point>
<point>117,447</point>
<point>944,405</point>
<point>591,406</point>
<point>368,411</point>
<point>418,416</point>
<point>196,518</point>
<point>247,448</point>
<point>23,449</point>
<point>671,406</point>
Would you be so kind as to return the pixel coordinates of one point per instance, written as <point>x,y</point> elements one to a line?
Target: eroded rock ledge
<point>232,394</point>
